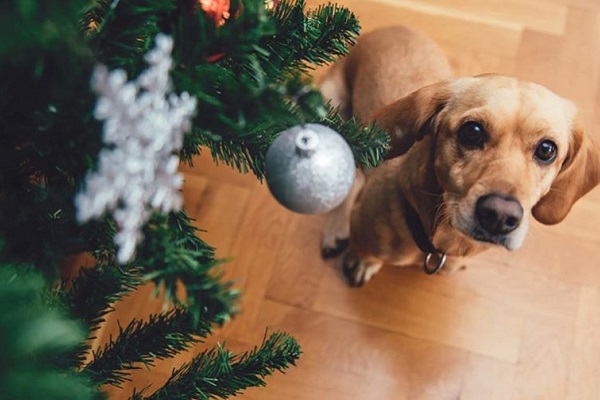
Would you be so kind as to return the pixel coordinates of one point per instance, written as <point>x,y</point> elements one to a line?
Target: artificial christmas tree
<point>66,149</point>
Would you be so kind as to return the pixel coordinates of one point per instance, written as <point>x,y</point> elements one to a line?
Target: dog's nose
<point>498,214</point>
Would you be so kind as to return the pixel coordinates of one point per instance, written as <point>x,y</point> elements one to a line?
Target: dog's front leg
<point>336,232</point>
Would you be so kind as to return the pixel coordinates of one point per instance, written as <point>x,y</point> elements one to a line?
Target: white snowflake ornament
<point>144,124</point>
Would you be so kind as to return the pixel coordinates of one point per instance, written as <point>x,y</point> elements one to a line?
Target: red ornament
<point>271,4</point>
<point>215,57</point>
<point>218,10</point>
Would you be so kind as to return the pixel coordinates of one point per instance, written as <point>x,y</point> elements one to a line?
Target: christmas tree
<point>99,102</point>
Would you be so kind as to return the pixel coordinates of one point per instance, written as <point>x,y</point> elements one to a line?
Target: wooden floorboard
<point>514,326</point>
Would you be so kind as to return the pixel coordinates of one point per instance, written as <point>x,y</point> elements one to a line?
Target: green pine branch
<point>249,97</point>
<point>143,342</point>
<point>124,30</point>
<point>27,25</point>
<point>94,16</point>
<point>171,254</point>
<point>316,37</point>
<point>32,337</point>
<point>244,138</point>
<point>93,293</point>
<point>368,142</point>
<point>221,374</point>
<point>137,395</point>
<point>339,28</point>
<point>44,129</point>
<point>89,297</point>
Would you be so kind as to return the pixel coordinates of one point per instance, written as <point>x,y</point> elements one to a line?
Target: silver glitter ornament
<point>310,169</point>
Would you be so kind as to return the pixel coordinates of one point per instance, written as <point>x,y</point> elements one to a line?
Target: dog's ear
<point>579,174</point>
<point>412,117</point>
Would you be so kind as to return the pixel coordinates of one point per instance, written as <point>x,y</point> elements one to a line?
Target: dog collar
<point>434,259</point>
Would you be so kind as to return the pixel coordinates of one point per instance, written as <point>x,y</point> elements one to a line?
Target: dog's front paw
<point>358,271</point>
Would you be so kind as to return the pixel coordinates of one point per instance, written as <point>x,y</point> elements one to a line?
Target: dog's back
<point>384,66</point>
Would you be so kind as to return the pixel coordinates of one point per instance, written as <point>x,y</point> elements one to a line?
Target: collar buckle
<point>433,262</point>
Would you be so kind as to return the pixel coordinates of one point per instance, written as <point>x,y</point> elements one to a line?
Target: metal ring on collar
<point>441,260</point>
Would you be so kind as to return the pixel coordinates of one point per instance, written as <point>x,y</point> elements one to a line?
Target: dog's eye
<point>472,134</point>
<point>546,152</point>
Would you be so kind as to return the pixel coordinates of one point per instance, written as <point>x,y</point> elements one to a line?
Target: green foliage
<point>121,32</point>
<point>91,295</point>
<point>258,87</point>
<point>369,143</point>
<point>172,254</point>
<point>218,373</point>
<point>318,36</point>
<point>46,130</point>
<point>32,337</point>
<point>26,25</point>
<point>143,342</point>
<point>250,79</point>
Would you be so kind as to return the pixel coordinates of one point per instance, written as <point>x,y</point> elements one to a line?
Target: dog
<point>470,158</point>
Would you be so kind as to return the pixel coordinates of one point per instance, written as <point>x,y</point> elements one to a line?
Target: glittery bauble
<point>310,169</point>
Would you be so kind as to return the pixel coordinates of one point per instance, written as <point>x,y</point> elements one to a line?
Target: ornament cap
<point>307,142</point>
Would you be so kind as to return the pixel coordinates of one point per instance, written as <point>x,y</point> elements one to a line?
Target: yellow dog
<point>471,158</point>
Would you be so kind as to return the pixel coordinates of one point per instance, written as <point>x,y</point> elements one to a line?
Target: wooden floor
<point>522,325</point>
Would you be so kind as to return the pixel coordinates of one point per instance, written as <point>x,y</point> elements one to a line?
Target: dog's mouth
<point>482,236</point>
<point>476,233</point>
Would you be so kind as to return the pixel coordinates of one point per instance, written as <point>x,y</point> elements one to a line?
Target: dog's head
<point>503,148</point>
